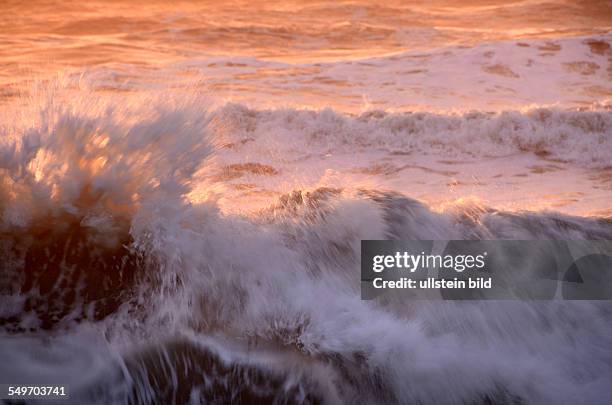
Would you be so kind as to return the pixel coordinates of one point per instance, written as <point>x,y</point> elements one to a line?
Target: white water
<point>181,207</point>
<point>277,290</point>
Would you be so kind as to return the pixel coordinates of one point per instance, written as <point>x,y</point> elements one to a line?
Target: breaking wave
<point>138,294</point>
<point>581,137</point>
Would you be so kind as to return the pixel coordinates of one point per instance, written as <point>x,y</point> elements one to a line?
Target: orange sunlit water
<point>349,56</point>
<point>42,36</point>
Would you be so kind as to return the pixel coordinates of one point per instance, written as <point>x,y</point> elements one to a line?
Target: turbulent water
<point>181,208</point>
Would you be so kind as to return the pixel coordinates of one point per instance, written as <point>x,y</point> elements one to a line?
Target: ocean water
<point>184,187</point>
